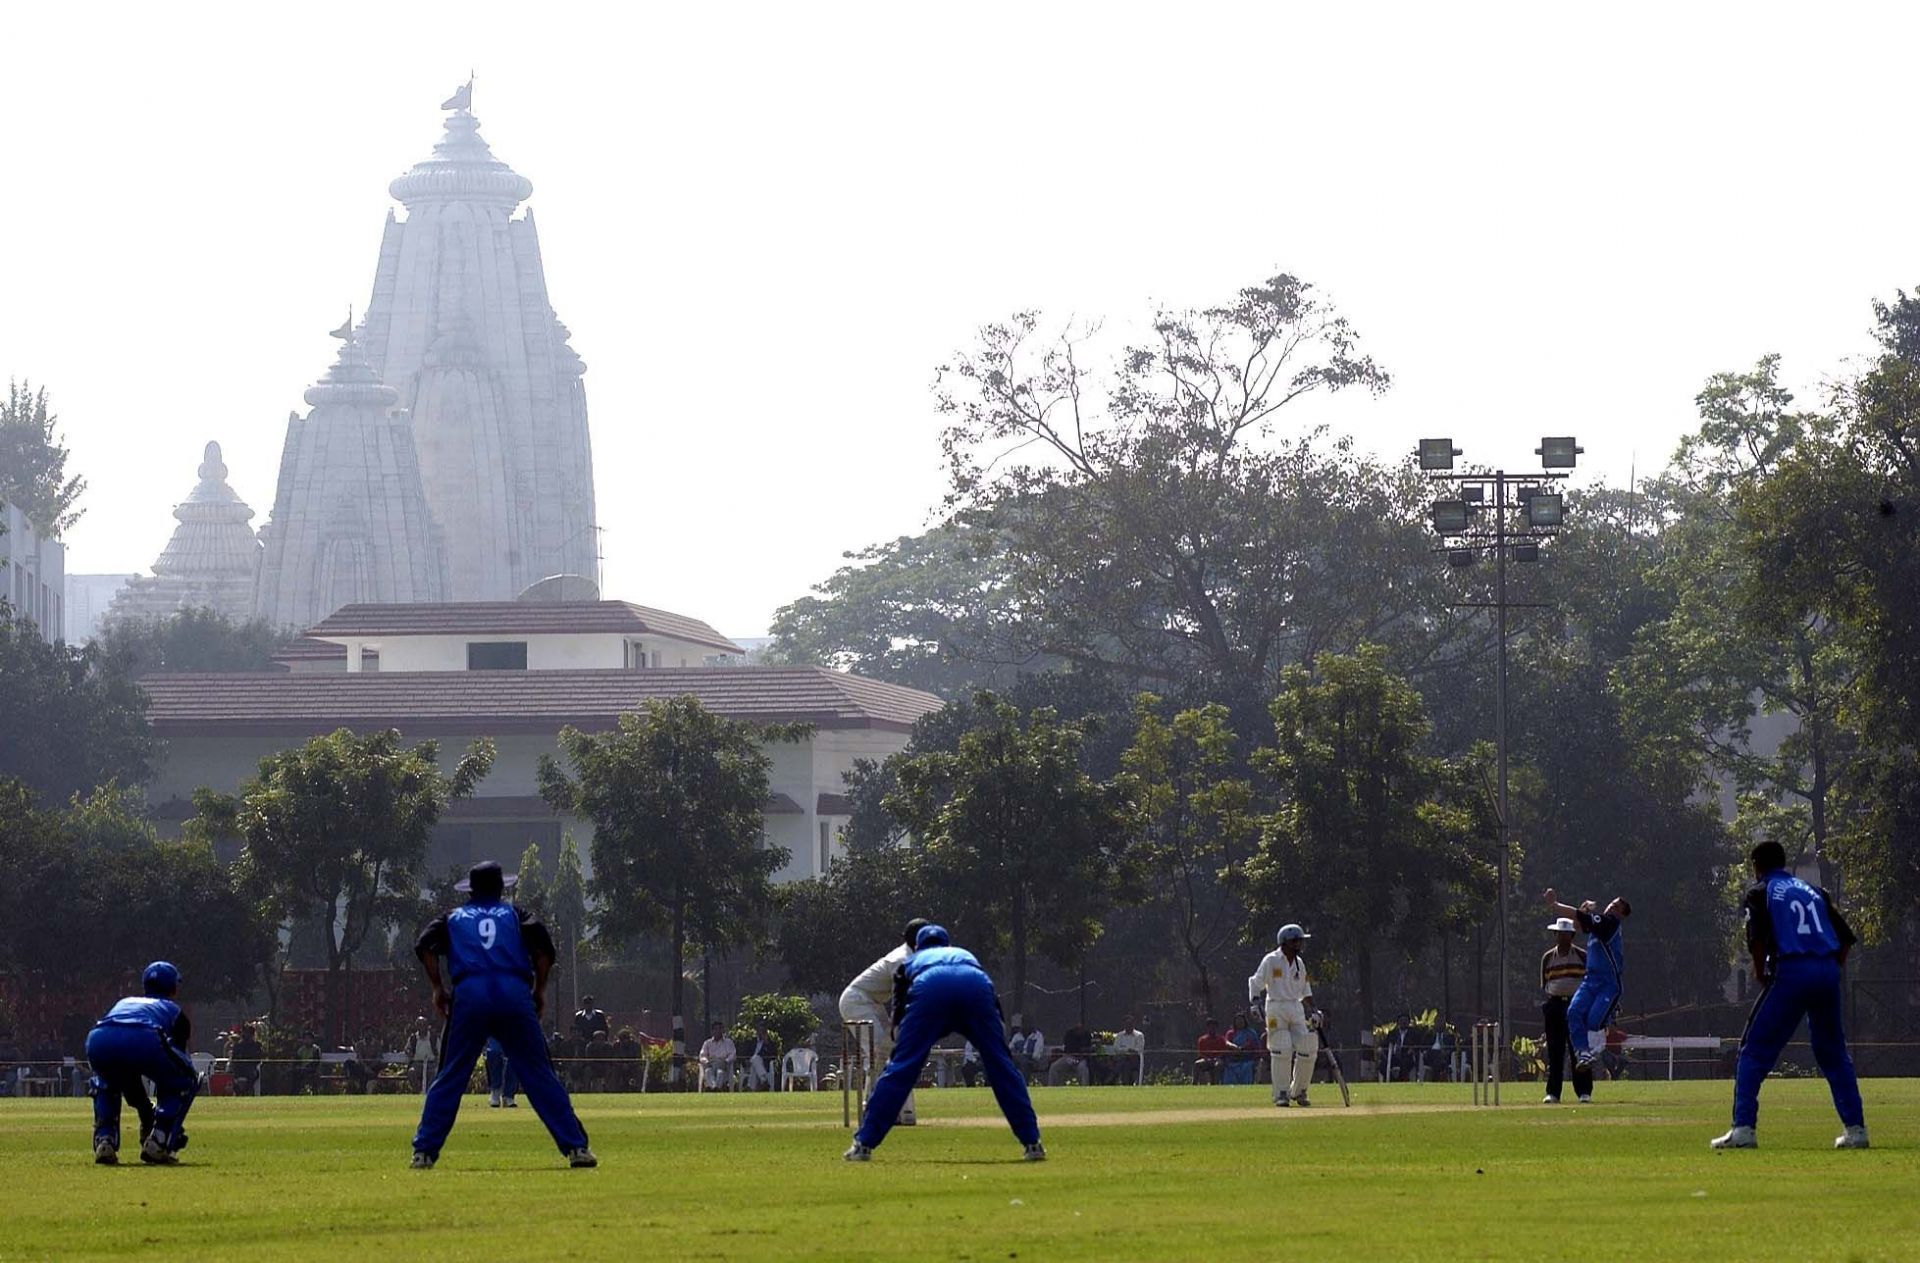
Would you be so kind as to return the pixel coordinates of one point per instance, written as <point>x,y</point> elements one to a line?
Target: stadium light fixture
<point>1450,517</point>
<point>1436,455</point>
<point>1546,509</point>
<point>1558,453</point>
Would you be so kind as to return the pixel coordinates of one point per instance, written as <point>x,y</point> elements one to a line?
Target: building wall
<point>604,651</point>
<point>33,578</point>
<point>88,596</point>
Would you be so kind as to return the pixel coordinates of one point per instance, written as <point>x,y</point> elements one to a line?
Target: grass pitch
<point>1167,1173</point>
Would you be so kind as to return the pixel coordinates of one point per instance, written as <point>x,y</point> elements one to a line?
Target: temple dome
<point>462,169</point>
<point>210,559</point>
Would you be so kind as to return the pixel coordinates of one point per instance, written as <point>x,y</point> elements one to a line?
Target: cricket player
<point>143,1036</point>
<point>1799,942</point>
<point>1293,1042</point>
<point>1598,995</point>
<point>498,956</point>
<point>941,990</point>
<point>869,998</point>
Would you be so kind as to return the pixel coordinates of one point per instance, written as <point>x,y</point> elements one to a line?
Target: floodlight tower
<point>1457,519</point>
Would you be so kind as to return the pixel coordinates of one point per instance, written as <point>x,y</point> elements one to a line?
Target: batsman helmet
<point>931,936</point>
<point>160,978</point>
<point>1291,933</point>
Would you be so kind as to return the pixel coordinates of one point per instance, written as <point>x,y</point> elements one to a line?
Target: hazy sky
<point>767,224</point>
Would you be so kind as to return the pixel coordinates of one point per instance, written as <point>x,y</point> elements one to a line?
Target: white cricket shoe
<point>1035,1152</point>
<point>106,1153</point>
<point>1586,1098</point>
<point>857,1152</point>
<point>154,1151</point>
<point>1550,1099</point>
<point>493,1101</point>
<point>1736,1138</point>
<point>1852,1138</point>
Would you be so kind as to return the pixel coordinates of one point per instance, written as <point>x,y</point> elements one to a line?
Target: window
<point>636,656</point>
<point>496,655</point>
<point>826,855</point>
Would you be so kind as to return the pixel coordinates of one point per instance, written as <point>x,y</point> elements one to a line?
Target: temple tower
<point>350,521</point>
<point>460,326</point>
<point>211,560</point>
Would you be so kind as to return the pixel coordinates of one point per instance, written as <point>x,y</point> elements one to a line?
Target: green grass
<point>1174,1173</point>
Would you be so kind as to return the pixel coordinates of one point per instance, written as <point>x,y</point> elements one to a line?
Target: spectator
<point>587,1021</point>
<point>1440,1056</point>
<point>1613,1058</point>
<point>1211,1063</point>
<point>1029,1050</point>
<point>423,1051</point>
<point>969,1065</point>
<point>1244,1039</point>
<point>502,1083</point>
<point>243,1060</point>
<point>306,1070</point>
<point>1129,1052</point>
<point>762,1056</point>
<point>562,1051</point>
<point>1076,1058</point>
<point>358,1072</point>
<point>626,1056</point>
<point>46,1059</point>
<point>716,1059</point>
<point>1400,1051</point>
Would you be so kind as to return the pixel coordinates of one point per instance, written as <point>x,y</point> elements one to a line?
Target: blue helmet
<point>931,936</point>
<point>160,978</point>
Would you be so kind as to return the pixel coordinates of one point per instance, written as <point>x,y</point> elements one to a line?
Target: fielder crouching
<point>1293,1041</point>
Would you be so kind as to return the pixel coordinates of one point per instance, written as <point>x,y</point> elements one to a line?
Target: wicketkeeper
<point>869,998</point>
<point>1293,1041</point>
<point>143,1037</point>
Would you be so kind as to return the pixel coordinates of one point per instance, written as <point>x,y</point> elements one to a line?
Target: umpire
<point>1562,967</point>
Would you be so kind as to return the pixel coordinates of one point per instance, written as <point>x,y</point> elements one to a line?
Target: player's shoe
<point>1852,1138</point>
<point>857,1152</point>
<point>422,1160</point>
<point>510,1103</point>
<point>1586,1098</point>
<point>1282,1102</point>
<point>1035,1152</point>
<point>582,1157</point>
<point>1736,1138</point>
<point>493,1100</point>
<point>1550,1099</point>
<point>154,1151</point>
<point>106,1153</point>
<point>1302,1101</point>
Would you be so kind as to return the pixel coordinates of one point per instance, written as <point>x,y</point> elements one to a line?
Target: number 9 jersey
<point>489,949</point>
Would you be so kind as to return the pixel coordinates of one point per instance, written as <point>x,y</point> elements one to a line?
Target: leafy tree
<point>189,640</point>
<point>675,795</point>
<point>336,832</point>
<point>530,890</point>
<point>1200,827</point>
<point>1384,843</point>
<point>88,720</point>
<point>1023,847</point>
<point>33,464</point>
<point>833,926</point>
<point>788,1018</point>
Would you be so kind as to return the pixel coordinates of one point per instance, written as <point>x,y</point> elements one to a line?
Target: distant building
<point>89,596</point>
<point>33,574</point>
<point>211,561</point>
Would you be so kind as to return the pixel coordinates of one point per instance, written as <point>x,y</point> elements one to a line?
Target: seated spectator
<point>1029,1051</point>
<point>243,1060</point>
<point>599,1057</point>
<point>1129,1052</point>
<point>626,1056</point>
<point>1400,1051</point>
<point>1440,1056</point>
<point>970,1071</point>
<point>1076,1057</point>
<point>762,1057</point>
<point>1244,1040</point>
<point>588,1020</point>
<point>357,1071</point>
<point>562,1051</point>
<point>1211,1064</point>
<point>306,1069</point>
<point>716,1059</point>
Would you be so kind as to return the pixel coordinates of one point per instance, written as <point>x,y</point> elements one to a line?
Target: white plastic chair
<point>202,1064</point>
<point>800,1064</point>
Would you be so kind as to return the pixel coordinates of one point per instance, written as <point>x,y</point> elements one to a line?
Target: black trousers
<point>1554,1010</point>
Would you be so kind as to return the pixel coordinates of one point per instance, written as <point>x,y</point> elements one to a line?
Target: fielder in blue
<point>143,1036</point>
<point>498,956</point>
<point>1593,1004</point>
<point>941,990</point>
<point>1798,941</point>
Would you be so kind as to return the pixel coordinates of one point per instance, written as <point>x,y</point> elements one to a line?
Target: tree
<point>336,831</point>
<point>874,890</point>
<point>1023,847</point>
<point>189,640</point>
<point>88,720</point>
<point>675,794</point>
<point>1200,824</point>
<point>33,464</point>
<point>1384,843</point>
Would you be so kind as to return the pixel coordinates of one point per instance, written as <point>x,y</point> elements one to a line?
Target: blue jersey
<point>147,1011</point>
<point>1605,955</point>
<point>937,958</point>
<point>490,948</point>
<point>1800,917</point>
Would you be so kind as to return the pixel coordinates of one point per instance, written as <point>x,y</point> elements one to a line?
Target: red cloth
<point>1210,1044</point>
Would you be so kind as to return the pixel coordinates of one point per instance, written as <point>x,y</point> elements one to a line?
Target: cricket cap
<point>1563,925</point>
<point>160,978</point>
<point>931,936</point>
<point>1291,933</point>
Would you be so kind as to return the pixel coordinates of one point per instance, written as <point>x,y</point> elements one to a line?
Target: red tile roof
<point>490,702</point>
<point>518,618</point>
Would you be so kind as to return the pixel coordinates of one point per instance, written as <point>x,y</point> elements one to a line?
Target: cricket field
<point>1409,1172</point>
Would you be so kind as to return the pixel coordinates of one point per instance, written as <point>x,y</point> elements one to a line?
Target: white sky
<point>767,224</point>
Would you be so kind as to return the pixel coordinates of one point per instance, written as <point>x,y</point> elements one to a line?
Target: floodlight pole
<point>1500,726</point>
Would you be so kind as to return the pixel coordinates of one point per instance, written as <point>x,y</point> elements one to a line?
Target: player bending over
<point>1799,942</point>
<point>1592,1006</point>
<point>143,1036</point>
<point>941,990</point>
<point>1292,1022</point>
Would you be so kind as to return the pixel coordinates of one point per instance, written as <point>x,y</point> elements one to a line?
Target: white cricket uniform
<point>869,998</point>
<point>1292,1046</point>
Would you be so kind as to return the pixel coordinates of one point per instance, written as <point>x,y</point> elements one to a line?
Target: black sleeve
<point>900,989</point>
<point>433,940</point>
<point>1840,926</point>
<point>1759,921</point>
<point>533,934</point>
<point>1585,920</point>
<point>182,1032</point>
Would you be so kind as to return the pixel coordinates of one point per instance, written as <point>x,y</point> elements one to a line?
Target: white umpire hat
<point>1564,924</point>
<point>1289,932</point>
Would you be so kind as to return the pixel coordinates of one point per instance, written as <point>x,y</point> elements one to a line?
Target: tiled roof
<point>307,649</point>
<point>491,702</point>
<point>518,618</point>
<point>833,805</point>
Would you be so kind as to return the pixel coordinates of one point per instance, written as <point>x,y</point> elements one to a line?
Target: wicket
<point>1485,1063</point>
<point>856,1068</point>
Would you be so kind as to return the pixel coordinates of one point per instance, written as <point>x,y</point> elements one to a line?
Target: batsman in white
<point>869,998</point>
<point>1292,1022</point>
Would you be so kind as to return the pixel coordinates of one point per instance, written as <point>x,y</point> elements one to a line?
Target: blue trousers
<point>1590,1010</point>
<point>121,1056</point>
<point>500,1075</point>
<point>943,1002</point>
<point>518,1031</point>
<point>1802,986</point>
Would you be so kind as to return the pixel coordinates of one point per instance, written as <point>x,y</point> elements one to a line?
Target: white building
<point>518,673</point>
<point>33,574</point>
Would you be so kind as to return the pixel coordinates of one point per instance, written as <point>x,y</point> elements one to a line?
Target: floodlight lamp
<point>1558,453</point>
<point>1436,455</point>
<point>1450,517</point>
<point>1461,557</point>
<point>1526,552</point>
<point>1546,509</point>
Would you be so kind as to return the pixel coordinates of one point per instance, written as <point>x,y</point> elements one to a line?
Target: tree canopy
<point>33,462</point>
